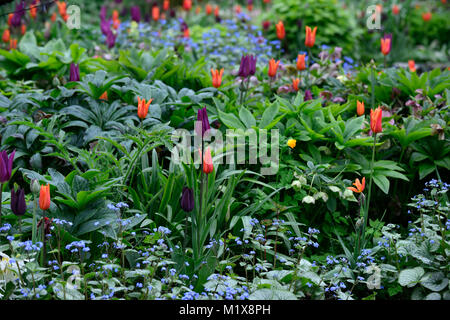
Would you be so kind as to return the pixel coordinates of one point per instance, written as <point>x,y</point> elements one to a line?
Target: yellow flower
<point>291,143</point>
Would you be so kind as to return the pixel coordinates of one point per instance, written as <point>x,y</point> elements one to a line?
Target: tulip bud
<point>35,187</point>
<point>187,199</point>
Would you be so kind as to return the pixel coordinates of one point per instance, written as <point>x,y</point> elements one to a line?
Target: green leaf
<point>435,281</point>
<point>247,118</point>
<point>410,277</point>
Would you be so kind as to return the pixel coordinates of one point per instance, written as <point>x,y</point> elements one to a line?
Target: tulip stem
<point>366,211</point>
<point>33,231</point>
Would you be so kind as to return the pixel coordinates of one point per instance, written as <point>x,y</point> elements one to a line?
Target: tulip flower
<point>310,37</point>
<point>208,9</point>
<point>143,107</point>
<point>115,15</point>
<point>12,44</point>
<point>53,17</point>
<point>301,62</point>
<point>208,166</point>
<point>360,108</point>
<point>386,42</point>
<point>216,77</point>
<point>44,197</point>
<point>74,72</point>
<point>6,165</point>
<point>359,186</point>
<point>202,125</point>
<point>136,13</point>
<point>155,13</point>
<point>33,9</point>
<point>23,29</point>
<point>308,95</point>
<point>166,5</point>
<point>412,65</point>
<point>216,11</point>
<point>273,66</point>
<point>292,143</point>
<point>375,120</point>
<point>10,16</point>
<point>110,39</point>
<point>104,96</point>
<point>247,67</point>
<point>395,9</point>
<point>238,9</point>
<point>6,36</point>
<point>295,83</point>
<point>18,204</point>
<point>426,16</point>
<point>186,33</point>
<point>281,33</point>
<point>103,13</point>
<point>187,199</point>
<point>187,5</point>
<point>16,19</point>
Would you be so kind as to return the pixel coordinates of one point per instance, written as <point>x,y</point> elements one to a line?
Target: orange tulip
<point>238,9</point>
<point>385,45</point>
<point>53,17</point>
<point>104,96</point>
<point>281,33</point>
<point>186,33</point>
<point>155,13</point>
<point>360,108</point>
<point>12,44</point>
<point>379,8</point>
<point>10,16</point>
<point>23,29</point>
<point>250,7</point>
<point>412,65</point>
<point>6,36</point>
<point>216,11</point>
<point>33,10</point>
<point>395,9</point>
<point>301,62</point>
<point>116,24</point>
<point>310,37</point>
<point>166,5</point>
<point>143,107</point>
<point>208,9</point>
<point>426,16</point>
<point>295,83</point>
<point>208,166</point>
<point>44,197</point>
<point>375,120</point>
<point>359,186</point>
<point>273,66</point>
<point>115,15</point>
<point>216,77</point>
<point>62,8</point>
<point>187,5</point>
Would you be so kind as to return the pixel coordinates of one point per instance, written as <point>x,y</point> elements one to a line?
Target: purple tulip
<point>308,95</point>
<point>187,199</point>
<point>103,13</point>
<point>110,39</point>
<point>135,13</point>
<point>202,123</point>
<point>6,166</point>
<point>74,72</point>
<point>18,13</point>
<point>248,66</point>
<point>18,204</point>
<point>105,26</point>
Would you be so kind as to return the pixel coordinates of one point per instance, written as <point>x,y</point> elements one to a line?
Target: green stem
<point>366,211</point>
<point>34,231</point>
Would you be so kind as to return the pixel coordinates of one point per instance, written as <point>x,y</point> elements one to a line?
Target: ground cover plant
<point>224,150</point>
